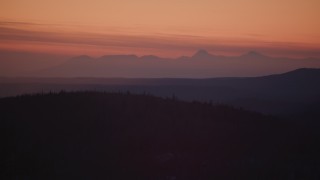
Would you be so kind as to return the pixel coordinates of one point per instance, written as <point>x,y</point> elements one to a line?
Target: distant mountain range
<point>200,65</point>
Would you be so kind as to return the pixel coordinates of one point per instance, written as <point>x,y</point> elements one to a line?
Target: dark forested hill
<point>281,94</point>
<point>123,136</point>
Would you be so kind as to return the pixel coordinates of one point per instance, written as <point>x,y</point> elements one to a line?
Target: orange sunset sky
<point>168,28</point>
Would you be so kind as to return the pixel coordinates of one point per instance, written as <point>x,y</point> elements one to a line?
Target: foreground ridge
<point>121,135</point>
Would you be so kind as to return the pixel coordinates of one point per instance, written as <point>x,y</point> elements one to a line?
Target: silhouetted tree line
<point>91,135</point>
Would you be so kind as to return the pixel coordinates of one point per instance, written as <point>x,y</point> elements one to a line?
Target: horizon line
<point>250,52</point>
<point>257,52</point>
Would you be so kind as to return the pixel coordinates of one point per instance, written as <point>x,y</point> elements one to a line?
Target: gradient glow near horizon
<point>168,28</point>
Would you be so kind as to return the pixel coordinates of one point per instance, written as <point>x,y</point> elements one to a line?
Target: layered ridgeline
<point>201,64</point>
<point>122,136</point>
<point>281,94</point>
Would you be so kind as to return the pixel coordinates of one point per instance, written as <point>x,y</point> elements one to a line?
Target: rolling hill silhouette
<point>287,93</point>
<point>119,136</point>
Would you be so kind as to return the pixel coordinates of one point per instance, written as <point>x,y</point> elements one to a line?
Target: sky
<point>167,28</point>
